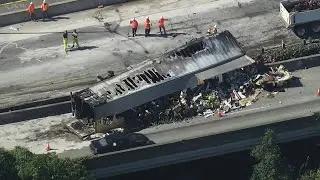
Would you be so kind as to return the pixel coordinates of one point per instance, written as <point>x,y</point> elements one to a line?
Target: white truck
<point>301,16</point>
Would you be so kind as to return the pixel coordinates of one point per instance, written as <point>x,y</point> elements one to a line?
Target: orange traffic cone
<point>219,114</point>
<point>318,93</point>
<point>48,147</point>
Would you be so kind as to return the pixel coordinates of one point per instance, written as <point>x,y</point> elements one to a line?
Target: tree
<point>7,168</point>
<point>23,162</point>
<point>311,175</point>
<point>270,165</point>
<point>29,166</point>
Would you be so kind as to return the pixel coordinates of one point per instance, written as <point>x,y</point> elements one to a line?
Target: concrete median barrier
<point>35,112</point>
<point>55,9</point>
<point>153,156</point>
<point>300,63</point>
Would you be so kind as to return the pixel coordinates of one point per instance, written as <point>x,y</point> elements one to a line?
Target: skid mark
<point>17,47</point>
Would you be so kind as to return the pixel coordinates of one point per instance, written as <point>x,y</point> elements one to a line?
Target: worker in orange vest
<point>31,11</point>
<point>147,26</point>
<point>134,25</point>
<point>161,24</point>
<point>44,9</point>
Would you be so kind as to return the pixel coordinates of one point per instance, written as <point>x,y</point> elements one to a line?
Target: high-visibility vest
<point>44,6</point>
<point>161,22</point>
<point>134,24</point>
<point>147,24</point>
<point>31,8</point>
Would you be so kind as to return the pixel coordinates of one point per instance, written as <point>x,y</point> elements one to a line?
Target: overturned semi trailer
<point>176,70</point>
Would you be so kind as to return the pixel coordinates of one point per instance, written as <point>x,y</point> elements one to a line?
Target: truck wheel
<point>315,27</point>
<point>301,31</point>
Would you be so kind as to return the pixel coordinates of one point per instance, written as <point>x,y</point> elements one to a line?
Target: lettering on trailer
<point>149,76</point>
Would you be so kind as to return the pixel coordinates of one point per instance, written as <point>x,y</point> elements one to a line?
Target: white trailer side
<point>305,23</point>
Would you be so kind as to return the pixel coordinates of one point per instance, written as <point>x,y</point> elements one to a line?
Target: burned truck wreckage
<point>183,68</point>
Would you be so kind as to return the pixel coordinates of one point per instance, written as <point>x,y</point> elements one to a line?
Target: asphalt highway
<point>274,113</point>
<point>10,6</point>
<point>214,138</point>
<point>33,65</point>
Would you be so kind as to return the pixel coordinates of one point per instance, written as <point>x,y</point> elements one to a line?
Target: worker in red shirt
<point>161,24</point>
<point>31,11</point>
<point>147,26</point>
<point>44,9</point>
<point>134,25</point>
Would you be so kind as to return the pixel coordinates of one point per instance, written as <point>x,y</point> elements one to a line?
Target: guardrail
<point>39,109</point>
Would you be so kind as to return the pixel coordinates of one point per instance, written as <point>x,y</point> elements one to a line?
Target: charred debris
<point>204,76</point>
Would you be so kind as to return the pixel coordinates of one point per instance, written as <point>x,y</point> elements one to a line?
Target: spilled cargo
<point>174,71</point>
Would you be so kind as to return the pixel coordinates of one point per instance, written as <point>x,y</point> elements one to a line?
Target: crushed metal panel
<point>145,95</point>
<point>227,67</point>
<point>195,57</point>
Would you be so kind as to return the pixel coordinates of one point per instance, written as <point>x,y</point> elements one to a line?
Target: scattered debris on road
<point>304,5</point>
<point>232,92</point>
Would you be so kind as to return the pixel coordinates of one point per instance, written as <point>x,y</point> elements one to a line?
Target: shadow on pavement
<point>294,82</point>
<point>82,48</point>
<point>161,35</point>
<point>55,18</point>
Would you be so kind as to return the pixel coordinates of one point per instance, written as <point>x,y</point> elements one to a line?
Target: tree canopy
<point>311,175</point>
<point>21,164</point>
<point>270,164</point>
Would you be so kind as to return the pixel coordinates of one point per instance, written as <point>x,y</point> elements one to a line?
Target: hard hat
<point>44,1</point>
<point>147,17</point>
<point>161,17</point>
<point>31,2</point>
<point>133,19</point>
<point>215,26</point>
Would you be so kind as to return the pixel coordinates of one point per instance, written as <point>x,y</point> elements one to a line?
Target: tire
<point>315,27</point>
<point>301,31</point>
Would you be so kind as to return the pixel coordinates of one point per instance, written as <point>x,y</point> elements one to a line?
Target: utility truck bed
<point>302,16</point>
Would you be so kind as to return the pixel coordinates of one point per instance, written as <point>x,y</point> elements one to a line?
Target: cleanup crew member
<point>65,40</point>
<point>161,24</point>
<point>215,30</point>
<point>44,9</point>
<point>134,25</point>
<point>209,31</point>
<point>147,26</point>
<point>31,11</point>
<point>75,38</point>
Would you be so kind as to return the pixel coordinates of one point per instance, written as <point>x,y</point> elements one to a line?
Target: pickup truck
<point>301,16</point>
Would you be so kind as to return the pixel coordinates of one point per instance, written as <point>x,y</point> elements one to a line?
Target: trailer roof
<point>199,57</point>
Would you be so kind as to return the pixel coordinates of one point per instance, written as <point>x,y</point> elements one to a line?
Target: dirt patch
<point>55,131</point>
